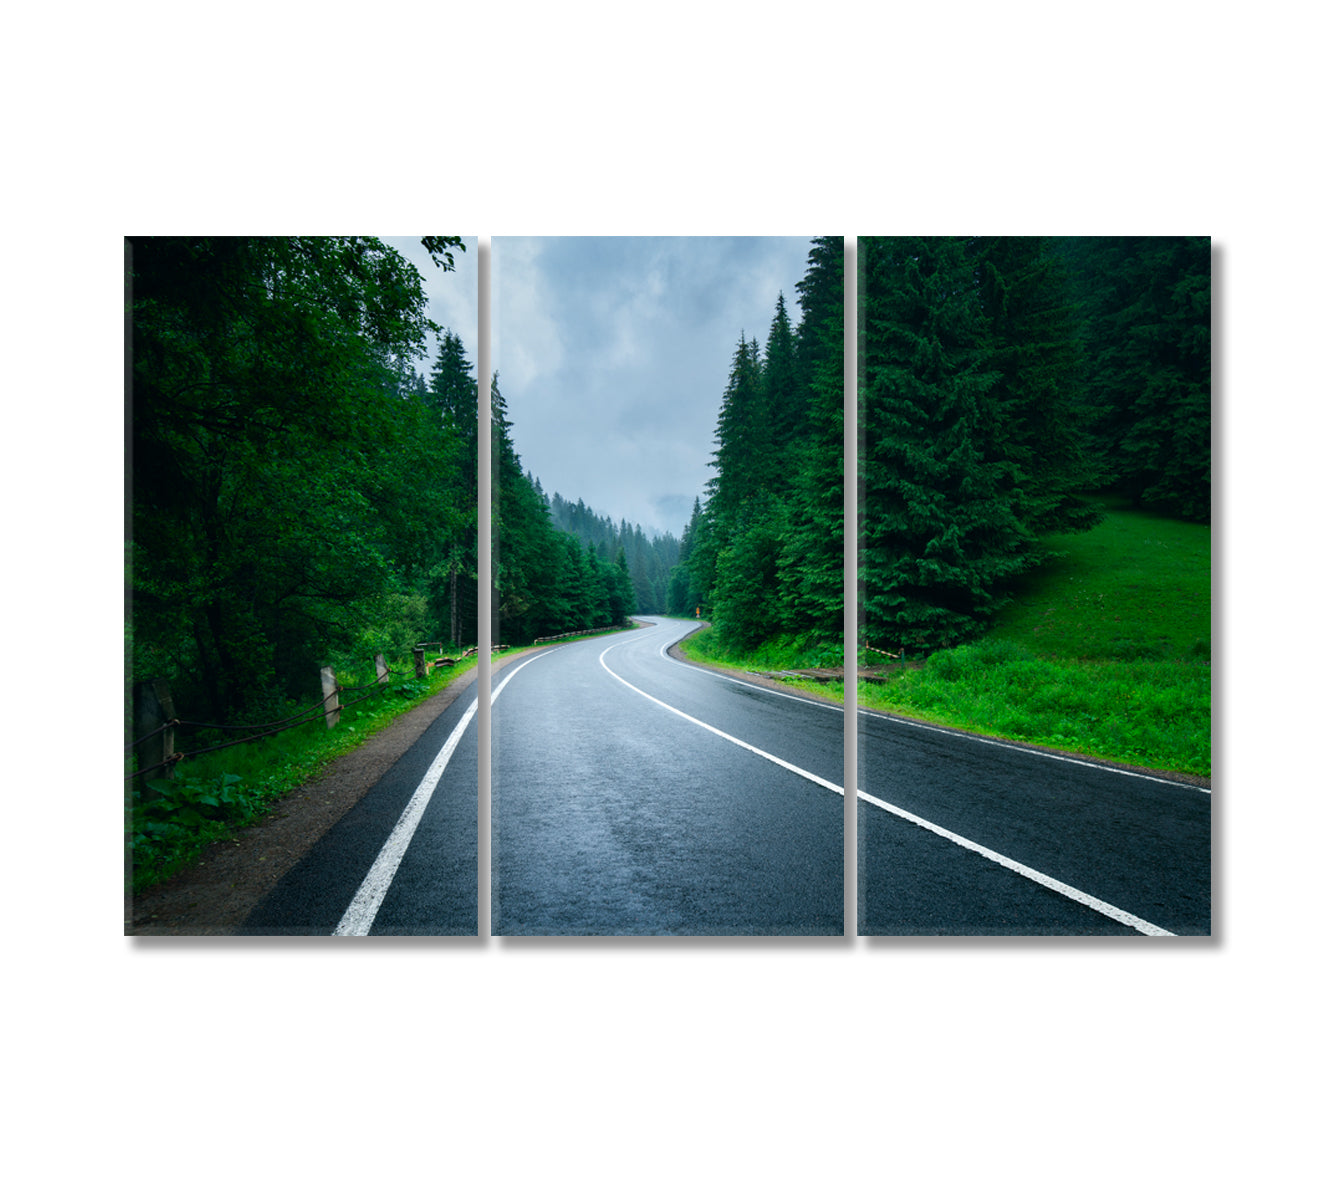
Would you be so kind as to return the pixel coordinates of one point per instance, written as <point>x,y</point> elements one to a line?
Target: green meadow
<point>1105,650</point>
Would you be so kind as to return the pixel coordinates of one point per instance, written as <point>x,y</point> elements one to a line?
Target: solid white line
<point>1101,906</point>
<point>1003,745</point>
<point>959,733</point>
<point>360,914</point>
<point>662,650</point>
<point>1064,889</point>
<point>787,766</point>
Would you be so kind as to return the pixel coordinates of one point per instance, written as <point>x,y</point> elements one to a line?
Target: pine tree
<point>525,556</point>
<point>644,601</point>
<point>621,597</point>
<point>742,515</point>
<point>686,595</point>
<point>938,538</point>
<point>784,408</point>
<point>746,596</point>
<point>741,433</point>
<point>811,533</point>
<point>453,386</point>
<point>453,393</point>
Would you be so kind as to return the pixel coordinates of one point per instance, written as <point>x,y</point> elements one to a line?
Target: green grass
<point>1134,588</point>
<point>172,822</point>
<point>1152,714</point>
<point>783,653</point>
<point>1104,651</point>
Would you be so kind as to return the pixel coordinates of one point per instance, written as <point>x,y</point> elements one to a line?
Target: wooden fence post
<point>153,708</point>
<point>419,661</point>
<point>331,705</point>
<point>381,671</point>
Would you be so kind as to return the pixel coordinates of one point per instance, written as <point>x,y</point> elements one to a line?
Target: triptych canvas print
<point>664,586</point>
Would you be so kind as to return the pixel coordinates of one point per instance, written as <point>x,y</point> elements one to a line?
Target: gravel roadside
<point>215,896</point>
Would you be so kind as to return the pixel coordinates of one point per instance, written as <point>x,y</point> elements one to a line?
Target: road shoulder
<point>1204,783</point>
<point>216,895</point>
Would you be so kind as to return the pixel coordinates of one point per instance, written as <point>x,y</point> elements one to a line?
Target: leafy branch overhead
<point>441,250</point>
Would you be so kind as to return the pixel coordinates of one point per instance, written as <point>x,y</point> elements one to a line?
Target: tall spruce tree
<point>785,411</point>
<point>811,557</point>
<point>452,590</point>
<point>525,556</point>
<point>742,434</point>
<point>685,597</point>
<point>742,514</point>
<point>939,538</point>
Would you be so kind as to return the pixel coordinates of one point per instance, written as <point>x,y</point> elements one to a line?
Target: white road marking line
<point>1101,906</point>
<point>787,766</point>
<point>1003,745</point>
<point>959,733</point>
<point>1064,889</point>
<point>361,913</point>
<point>662,650</point>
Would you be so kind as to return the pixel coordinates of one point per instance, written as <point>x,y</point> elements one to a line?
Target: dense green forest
<point>651,557</point>
<point>300,494</point>
<point>559,566</point>
<point>763,555</point>
<point>1005,381</point>
<point>297,489</point>
<point>548,580</point>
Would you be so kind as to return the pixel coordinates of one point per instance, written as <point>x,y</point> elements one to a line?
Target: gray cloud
<point>614,353</point>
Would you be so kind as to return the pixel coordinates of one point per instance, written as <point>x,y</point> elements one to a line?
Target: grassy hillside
<point>1106,651</point>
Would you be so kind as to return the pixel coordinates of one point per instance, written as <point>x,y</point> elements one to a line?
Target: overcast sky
<point>452,294</point>
<point>614,353</point>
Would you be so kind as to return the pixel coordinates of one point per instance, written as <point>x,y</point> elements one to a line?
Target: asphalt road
<point>622,801</point>
<point>635,794</point>
<point>995,839</point>
<point>403,860</point>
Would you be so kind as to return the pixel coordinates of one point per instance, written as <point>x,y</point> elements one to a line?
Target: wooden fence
<point>556,637</point>
<point>156,723</point>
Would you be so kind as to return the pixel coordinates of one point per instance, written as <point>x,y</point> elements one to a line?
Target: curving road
<point>632,793</point>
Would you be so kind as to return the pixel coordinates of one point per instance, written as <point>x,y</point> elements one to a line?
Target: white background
<point>478,1068</point>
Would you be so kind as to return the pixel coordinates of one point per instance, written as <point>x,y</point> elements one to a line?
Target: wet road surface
<point>993,839</point>
<point>620,806</point>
